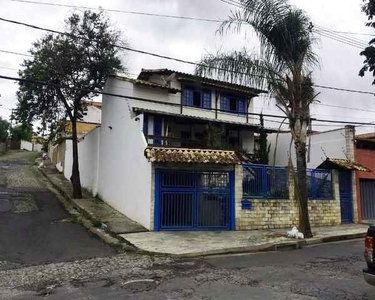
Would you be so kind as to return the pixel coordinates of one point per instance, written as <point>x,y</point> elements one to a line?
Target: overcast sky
<point>190,40</point>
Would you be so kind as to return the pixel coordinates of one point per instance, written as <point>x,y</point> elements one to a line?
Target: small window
<point>234,104</point>
<point>196,97</point>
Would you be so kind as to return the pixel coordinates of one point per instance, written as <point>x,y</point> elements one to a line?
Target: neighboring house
<point>365,154</point>
<point>92,118</point>
<point>90,121</point>
<point>336,150</point>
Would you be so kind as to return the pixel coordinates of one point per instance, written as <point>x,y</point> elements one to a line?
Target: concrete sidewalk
<point>101,214</point>
<point>200,243</point>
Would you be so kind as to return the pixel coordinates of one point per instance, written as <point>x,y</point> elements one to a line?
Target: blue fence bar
<point>320,184</point>
<point>261,181</point>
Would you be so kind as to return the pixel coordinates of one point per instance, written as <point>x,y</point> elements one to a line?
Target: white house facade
<point>169,146</point>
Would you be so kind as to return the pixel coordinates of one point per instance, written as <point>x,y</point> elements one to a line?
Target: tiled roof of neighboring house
<point>254,127</point>
<point>346,164</point>
<point>146,73</point>
<point>148,83</point>
<point>194,156</point>
<point>366,137</point>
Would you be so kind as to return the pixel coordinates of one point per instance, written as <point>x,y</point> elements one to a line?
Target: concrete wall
<point>29,146</point>
<point>26,145</point>
<point>283,213</point>
<point>93,115</point>
<point>38,147</point>
<point>334,144</point>
<point>125,173</point>
<point>88,155</point>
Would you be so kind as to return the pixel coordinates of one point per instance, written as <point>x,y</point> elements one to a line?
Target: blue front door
<point>346,196</point>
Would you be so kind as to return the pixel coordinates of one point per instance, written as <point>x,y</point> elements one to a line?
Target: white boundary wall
<point>29,146</point>
<point>331,144</point>
<point>125,173</point>
<point>26,145</point>
<point>88,155</point>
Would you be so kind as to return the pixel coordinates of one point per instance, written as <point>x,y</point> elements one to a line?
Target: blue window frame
<point>145,125</point>
<point>157,129</point>
<point>233,104</point>
<point>196,97</point>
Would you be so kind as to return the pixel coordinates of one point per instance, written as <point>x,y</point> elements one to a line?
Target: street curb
<point>117,241</point>
<point>283,246</point>
<point>86,219</point>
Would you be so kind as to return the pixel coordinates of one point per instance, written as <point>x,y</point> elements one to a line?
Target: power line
<point>343,90</point>
<point>353,39</point>
<point>121,11</point>
<point>169,57</point>
<point>329,36</point>
<point>325,32</point>
<point>159,15</point>
<point>15,53</point>
<point>160,102</point>
<point>345,107</point>
<point>118,46</point>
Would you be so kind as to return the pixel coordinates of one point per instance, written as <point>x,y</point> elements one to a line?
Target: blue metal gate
<point>194,200</point>
<point>346,197</point>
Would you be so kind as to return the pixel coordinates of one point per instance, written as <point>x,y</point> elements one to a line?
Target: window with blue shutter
<point>206,98</point>
<point>187,97</point>
<point>241,106</point>
<point>157,129</point>
<point>224,103</point>
<point>233,104</point>
<point>196,97</point>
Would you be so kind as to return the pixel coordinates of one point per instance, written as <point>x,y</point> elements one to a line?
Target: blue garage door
<point>190,200</point>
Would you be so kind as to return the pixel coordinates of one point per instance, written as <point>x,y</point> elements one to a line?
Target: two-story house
<point>169,144</point>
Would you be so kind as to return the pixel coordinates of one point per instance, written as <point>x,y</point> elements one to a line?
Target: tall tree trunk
<point>304,221</point>
<point>75,178</point>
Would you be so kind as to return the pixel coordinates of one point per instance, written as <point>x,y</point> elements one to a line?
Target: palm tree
<point>283,67</point>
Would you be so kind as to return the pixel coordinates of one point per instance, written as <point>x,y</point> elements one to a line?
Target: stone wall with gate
<point>283,213</point>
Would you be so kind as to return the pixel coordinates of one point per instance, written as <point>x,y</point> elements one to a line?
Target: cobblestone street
<point>44,254</point>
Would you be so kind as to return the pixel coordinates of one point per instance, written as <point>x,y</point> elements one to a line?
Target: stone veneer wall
<point>283,213</point>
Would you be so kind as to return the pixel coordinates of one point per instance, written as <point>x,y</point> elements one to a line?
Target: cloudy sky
<point>190,40</point>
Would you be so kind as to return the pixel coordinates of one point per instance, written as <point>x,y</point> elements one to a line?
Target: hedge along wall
<point>283,213</point>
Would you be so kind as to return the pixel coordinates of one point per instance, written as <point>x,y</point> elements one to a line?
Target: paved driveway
<point>34,227</point>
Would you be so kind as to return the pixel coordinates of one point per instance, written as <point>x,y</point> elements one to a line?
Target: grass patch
<point>33,157</point>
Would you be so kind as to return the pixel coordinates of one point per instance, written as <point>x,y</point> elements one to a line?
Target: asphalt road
<point>44,255</point>
<point>329,271</point>
<point>34,227</point>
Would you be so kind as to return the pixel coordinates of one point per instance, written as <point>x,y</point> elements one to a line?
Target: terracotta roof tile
<point>195,156</point>
<point>148,83</point>
<point>366,136</point>
<point>145,73</point>
<point>345,164</point>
